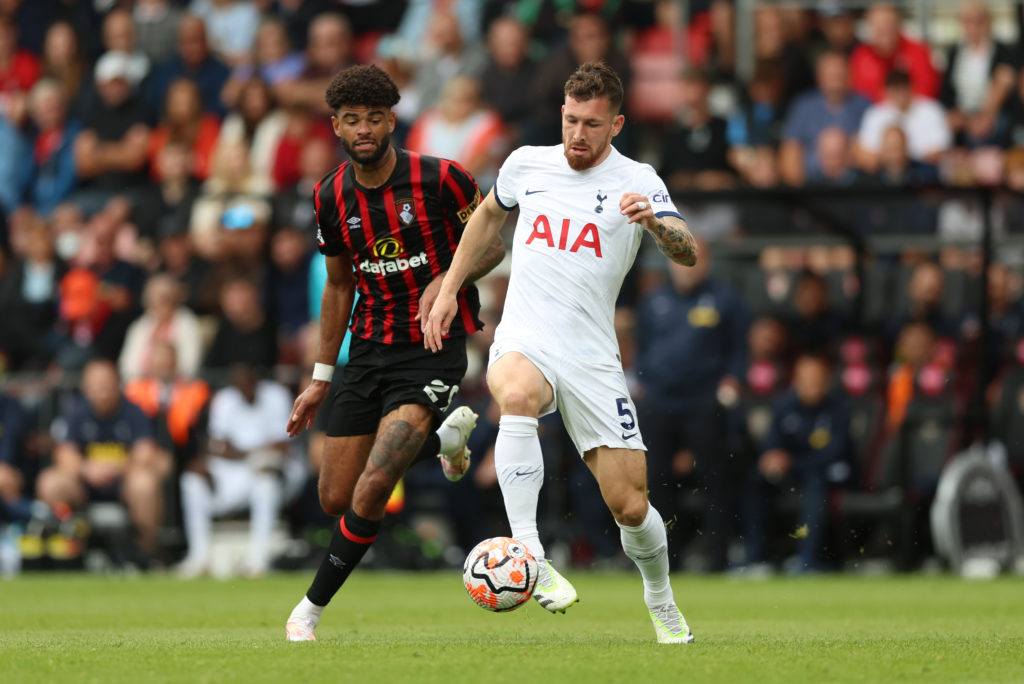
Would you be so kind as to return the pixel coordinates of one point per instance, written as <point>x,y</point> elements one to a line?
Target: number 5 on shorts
<point>623,404</point>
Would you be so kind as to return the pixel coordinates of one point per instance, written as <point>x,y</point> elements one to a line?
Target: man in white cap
<point>111,150</point>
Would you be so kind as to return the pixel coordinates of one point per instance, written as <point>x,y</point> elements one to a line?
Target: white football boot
<point>553,591</point>
<point>670,625</point>
<point>455,461</point>
<point>300,628</point>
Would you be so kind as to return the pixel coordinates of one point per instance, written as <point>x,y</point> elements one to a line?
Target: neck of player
<point>376,174</point>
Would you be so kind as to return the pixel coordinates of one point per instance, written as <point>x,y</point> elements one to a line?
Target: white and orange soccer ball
<point>500,574</point>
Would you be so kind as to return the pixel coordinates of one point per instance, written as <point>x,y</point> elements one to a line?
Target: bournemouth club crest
<point>406,211</point>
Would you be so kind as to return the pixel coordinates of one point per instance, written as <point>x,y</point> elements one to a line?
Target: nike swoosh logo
<point>533,192</point>
<point>629,436</point>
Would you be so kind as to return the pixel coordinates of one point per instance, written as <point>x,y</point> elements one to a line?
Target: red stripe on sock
<point>354,537</point>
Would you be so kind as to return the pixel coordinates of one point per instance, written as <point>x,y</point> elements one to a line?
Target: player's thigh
<point>519,386</point>
<point>401,434</point>
<point>621,475</point>
<point>344,460</point>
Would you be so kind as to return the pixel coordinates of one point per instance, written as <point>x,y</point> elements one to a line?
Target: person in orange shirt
<point>185,123</point>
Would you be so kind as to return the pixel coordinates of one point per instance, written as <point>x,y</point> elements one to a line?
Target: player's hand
<point>439,320</point>
<point>427,300</point>
<point>306,405</point>
<point>100,474</point>
<point>637,209</point>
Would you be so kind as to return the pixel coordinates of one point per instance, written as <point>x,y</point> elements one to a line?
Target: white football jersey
<point>572,247</point>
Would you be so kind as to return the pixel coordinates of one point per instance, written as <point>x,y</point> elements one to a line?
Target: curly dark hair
<point>595,79</point>
<point>361,86</point>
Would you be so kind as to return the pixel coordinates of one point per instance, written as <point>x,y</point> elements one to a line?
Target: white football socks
<point>197,514</point>
<point>647,545</point>
<point>520,466</point>
<point>307,608</point>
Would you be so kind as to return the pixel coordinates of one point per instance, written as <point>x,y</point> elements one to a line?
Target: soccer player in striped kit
<point>388,221</point>
<point>583,210</point>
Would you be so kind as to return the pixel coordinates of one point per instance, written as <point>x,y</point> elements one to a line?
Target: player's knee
<point>630,511</point>
<point>519,401</point>
<point>334,500</point>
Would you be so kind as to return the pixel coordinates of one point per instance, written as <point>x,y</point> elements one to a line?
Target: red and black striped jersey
<point>401,236</point>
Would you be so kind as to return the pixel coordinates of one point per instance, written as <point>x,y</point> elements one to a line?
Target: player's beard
<point>368,158</point>
<point>579,163</point>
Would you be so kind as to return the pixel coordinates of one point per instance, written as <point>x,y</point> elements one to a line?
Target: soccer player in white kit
<point>583,208</point>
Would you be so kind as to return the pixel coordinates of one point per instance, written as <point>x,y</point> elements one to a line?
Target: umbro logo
<point>354,221</point>
<point>335,561</point>
<point>533,192</point>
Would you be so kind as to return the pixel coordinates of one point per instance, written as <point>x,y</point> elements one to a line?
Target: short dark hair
<point>362,86</point>
<point>595,79</point>
<point>897,78</point>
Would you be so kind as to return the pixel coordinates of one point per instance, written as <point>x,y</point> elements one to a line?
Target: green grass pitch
<point>405,627</point>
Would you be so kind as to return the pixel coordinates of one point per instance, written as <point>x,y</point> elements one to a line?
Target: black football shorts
<point>381,377</point>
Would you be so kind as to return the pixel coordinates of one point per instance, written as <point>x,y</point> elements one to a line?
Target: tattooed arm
<point>671,233</point>
<point>491,257</point>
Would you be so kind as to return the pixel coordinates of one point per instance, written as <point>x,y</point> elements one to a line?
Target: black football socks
<point>352,538</point>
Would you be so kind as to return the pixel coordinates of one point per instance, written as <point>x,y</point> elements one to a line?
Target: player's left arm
<point>670,232</point>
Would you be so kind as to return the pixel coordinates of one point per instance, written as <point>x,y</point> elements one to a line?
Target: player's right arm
<point>479,235</point>
<point>335,310</point>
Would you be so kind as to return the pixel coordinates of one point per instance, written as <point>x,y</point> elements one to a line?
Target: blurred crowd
<point>159,287</point>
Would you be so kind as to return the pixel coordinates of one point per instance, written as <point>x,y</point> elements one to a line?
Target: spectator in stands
<point>292,208</point>
<point>178,259</point>
<point>297,15</point>
<point>589,40</point>
<point>924,304</point>
<point>167,205</point>
<point>16,155</point>
<point>53,179</point>
<point>815,324</point>
<point>1014,136</point>
<point>773,46</point>
<point>175,402</point>
<point>896,168</point>
<point>461,127</point>
<point>290,254</point>
<point>301,126</point>
<point>806,452</point>
<point>758,122</point>
<point>244,335</point>
<point>35,280</point>
<point>258,124</point>
<point>329,51</point>
<point>509,72</point>
<point>249,465</point>
<point>164,319</point>
<point>16,467</point>
<point>110,151</point>
<point>19,68</point>
<point>838,27</point>
<point>914,350</point>
<point>184,123</point>
<point>695,317</point>
<point>273,61</point>
<point>156,25</point>
<point>230,217</point>
<point>697,147</point>
<point>832,105</point>
<point>107,453</point>
<point>922,120</point>
<point>835,159</point>
<point>64,60</point>
<point>231,26</point>
<point>768,341</point>
<point>119,36</point>
<point>886,50</point>
<point>447,55</point>
<point>978,79</point>
<point>192,60</point>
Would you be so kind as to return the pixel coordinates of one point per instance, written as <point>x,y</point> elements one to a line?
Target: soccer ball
<point>500,574</point>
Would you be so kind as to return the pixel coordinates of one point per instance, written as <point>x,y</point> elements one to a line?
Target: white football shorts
<point>593,398</point>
